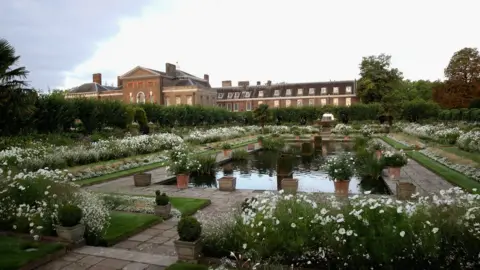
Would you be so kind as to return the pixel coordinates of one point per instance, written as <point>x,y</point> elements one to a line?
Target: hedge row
<point>54,113</point>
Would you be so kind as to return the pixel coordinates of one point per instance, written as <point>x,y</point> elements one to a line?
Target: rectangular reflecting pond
<point>259,171</point>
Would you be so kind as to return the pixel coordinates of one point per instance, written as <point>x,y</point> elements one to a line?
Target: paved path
<point>425,180</point>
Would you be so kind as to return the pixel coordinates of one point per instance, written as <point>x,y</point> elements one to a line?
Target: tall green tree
<point>261,114</point>
<point>377,78</point>
<point>17,101</point>
<point>464,66</point>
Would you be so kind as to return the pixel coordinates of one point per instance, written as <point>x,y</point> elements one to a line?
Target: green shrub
<point>161,199</point>
<point>226,146</point>
<point>189,229</point>
<point>207,164</point>
<point>69,215</point>
<point>240,154</point>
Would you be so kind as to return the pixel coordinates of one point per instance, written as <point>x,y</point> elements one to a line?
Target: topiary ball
<point>189,229</point>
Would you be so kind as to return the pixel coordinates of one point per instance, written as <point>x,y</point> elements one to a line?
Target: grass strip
<point>14,254</point>
<point>395,144</point>
<point>124,225</point>
<point>446,173</point>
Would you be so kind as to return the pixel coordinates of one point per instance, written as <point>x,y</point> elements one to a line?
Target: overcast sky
<point>62,42</point>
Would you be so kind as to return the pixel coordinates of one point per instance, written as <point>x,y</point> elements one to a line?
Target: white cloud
<point>286,40</point>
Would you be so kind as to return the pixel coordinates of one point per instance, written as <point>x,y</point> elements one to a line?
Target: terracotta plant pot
<point>378,154</point>
<point>226,152</point>
<point>394,172</point>
<point>341,187</point>
<point>250,147</point>
<point>405,190</point>
<point>142,179</point>
<point>72,234</point>
<point>227,183</point>
<point>182,181</point>
<point>188,251</point>
<point>163,210</point>
<point>289,185</point>
<point>297,137</point>
<point>346,138</point>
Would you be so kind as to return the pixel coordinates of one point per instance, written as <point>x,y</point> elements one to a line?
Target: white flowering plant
<point>435,232</point>
<point>394,159</point>
<point>182,161</point>
<point>340,167</point>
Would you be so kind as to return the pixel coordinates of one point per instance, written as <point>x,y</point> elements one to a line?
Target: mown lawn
<point>124,225</point>
<point>189,206</point>
<point>464,154</point>
<point>14,254</point>
<point>395,144</point>
<point>186,266</point>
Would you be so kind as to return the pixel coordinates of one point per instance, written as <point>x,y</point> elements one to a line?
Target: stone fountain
<point>326,123</point>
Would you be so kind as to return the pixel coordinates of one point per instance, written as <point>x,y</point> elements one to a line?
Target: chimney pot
<point>226,83</point>
<point>243,83</point>
<point>258,82</point>
<point>97,78</point>
<point>269,83</point>
<point>171,70</point>
<point>206,77</point>
<point>119,81</point>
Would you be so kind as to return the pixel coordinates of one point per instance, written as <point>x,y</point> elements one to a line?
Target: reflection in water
<point>259,172</point>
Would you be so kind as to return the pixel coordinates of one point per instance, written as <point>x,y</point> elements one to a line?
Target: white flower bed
<point>31,201</point>
<point>470,171</point>
<point>62,156</point>
<point>439,133</point>
<point>469,141</point>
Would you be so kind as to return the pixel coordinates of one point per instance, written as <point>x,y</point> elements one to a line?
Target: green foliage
<point>161,198</point>
<point>261,114</point>
<point>189,229</point>
<point>226,146</point>
<point>475,104</point>
<point>377,78</point>
<point>340,167</point>
<point>207,164</point>
<point>464,66</point>
<point>69,215</point>
<point>273,143</point>
<point>416,110</point>
<point>239,154</point>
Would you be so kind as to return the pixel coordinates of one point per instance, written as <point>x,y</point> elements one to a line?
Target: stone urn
<point>289,185</point>
<point>182,181</point>
<point>341,187</point>
<point>326,122</point>
<point>188,251</point>
<point>394,173</point>
<point>405,190</point>
<point>142,179</point>
<point>227,183</point>
<point>163,210</point>
<point>72,234</point>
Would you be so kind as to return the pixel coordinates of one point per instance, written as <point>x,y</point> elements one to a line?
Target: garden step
<point>129,255</point>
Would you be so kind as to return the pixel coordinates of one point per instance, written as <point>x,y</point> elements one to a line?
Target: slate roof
<point>92,88</point>
<point>183,78</point>
<point>285,90</point>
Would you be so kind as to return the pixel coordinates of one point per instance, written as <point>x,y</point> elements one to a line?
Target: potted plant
<point>188,246</point>
<point>394,161</point>
<point>142,179</point>
<point>181,164</point>
<point>227,183</point>
<point>297,134</point>
<point>163,205</point>
<point>69,227</point>
<point>346,132</point>
<point>260,140</point>
<point>289,185</point>
<point>377,147</point>
<point>340,169</point>
<point>227,149</point>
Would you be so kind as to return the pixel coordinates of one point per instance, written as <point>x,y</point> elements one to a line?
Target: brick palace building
<point>175,87</point>
<point>245,97</point>
<point>145,85</point>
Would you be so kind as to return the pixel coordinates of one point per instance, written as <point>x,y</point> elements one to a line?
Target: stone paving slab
<point>126,255</point>
<point>426,181</point>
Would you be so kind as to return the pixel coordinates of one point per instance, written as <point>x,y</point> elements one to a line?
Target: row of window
<point>140,84</point>
<point>288,103</point>
<point>288,92</point>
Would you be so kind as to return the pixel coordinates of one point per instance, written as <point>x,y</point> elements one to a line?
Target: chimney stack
<point>243,83</point>
<point>97,78</point>
<point>269,83</point>
<point>171,70</point>
<point>226,83</point>
<point>206,77</point>
<point>259,83</point>
<point>119,81</point>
